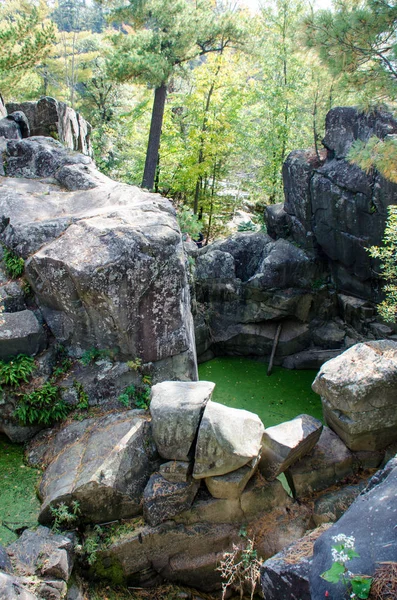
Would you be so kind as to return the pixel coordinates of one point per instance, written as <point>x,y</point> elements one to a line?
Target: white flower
<point>340,557</point>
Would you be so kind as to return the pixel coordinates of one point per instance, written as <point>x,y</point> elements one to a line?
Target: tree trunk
<point>153,146</point>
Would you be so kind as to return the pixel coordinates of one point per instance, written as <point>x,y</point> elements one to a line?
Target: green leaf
<point>361,586</point>
<point>334,574</point>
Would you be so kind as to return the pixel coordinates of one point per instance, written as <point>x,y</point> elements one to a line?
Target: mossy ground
<point>243,383</point>
<point>19,505</point>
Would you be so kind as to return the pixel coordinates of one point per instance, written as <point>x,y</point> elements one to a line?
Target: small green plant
<point>93,541</point>
<point>43,405</point>
<point>388,265</point>
<point>139,396</point>
<point>246,226</point>
<point>27,288</point>
<point>61,368</point>
<point>93,354</point>
<point>13,263</point>
<point>189,222</point>
<point>135,365</point>
<point>65,516</point>
<point>82,396</point>
<point>16,370</point>
<point>240,568</point>
<point>358,586</point>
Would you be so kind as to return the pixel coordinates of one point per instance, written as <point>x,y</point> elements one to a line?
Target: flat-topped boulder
<point>20,333</point>
<point>176,408</point>
<point>358,391</point>
<point>228,439</point>
<point>105,260</point>
<point>104,464</point>
<point>284,444</point>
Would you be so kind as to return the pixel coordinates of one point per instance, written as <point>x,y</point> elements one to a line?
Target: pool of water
<point>243,383</point>
<point>19,505</point>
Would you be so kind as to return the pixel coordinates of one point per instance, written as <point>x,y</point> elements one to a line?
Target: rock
<point>48,117</point>
<point>5,563</point>
<point>329,335</point>
<point>3,110</point>
<point>284,444</point>
<point>285,577</point>
<point>313,358</point>
<point>11,588</point>
<point>43,553</point>
<point>18,434</point>
<point>162,499</point>
<point>12,297</point>
<point>20,333</point>
<point>328,463</point>
<point>215,265</point>
<point>176,409</point>
<point>228,439</point>
<point>331,506</point>
<point>52,590</point>
<point>104,465</point>
<point>176,471</point>
<point>371,521</point>
<point>231,485</point>
<point>358,392</point>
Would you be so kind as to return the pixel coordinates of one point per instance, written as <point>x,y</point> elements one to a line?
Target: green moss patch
<point>243,383</point>
<point>19,505</point>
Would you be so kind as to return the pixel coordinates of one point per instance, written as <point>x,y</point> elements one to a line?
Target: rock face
<point>20,333</point>
<point>177,409</point>
<point>103,464</point>
<point>284,444</point>
<point>163,500</point>
<point>333,206</point>
<point>106,262</point>
<point>228,439</point>
<point>371,521</point>
<point>358,391</point>
<point>55,119</point>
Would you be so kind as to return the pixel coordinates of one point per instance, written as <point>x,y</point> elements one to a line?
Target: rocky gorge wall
<point>311,271</point>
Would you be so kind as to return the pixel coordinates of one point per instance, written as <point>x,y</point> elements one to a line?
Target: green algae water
<point>243,383</point>
<point>19,505</point>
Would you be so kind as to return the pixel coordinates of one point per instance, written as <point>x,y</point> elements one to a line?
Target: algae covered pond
<point>19,505</point>
<point>243,383</point>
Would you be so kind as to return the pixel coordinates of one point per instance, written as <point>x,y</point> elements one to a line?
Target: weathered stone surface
<point>52,589</point>
<point>309,359</point>
<point>328,463</point>
<point>5,563</point>
<point>176,471</point>
<point>18,433</point>
<point>331,506</point>
<point>11,588</point>
<point>231,485</point>
<point>141,556</point>
<point>358,391</point>
<point>329,335</point>
<point>44,553</point>
<point>20,333</point>
<point>12,298</point>
<point>371,520</point>
<point>284,444</point>
<point>281,578</point>
<point>104,464</point>
<point>48,117</point>
<point>162,499</point>
<point>100,259</point>
<point>228,439</point>
<point>176,408</point>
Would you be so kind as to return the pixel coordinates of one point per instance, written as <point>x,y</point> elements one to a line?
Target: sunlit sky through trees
<point>254,5</point>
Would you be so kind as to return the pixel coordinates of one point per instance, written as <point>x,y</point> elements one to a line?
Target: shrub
<point>65,516</point>
<point>139,396</point>
<point>43,405</point>
<point>14,264</point>
<point>16,370</point>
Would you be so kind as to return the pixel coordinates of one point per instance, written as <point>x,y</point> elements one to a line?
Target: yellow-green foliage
<point>388,258</point>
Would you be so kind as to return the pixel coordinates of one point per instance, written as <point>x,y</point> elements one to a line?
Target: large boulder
<point>55,119</point>
<point>358,391</point>
<point>20,333</point>
<point>163,499</point>
<point>228,439</point>
<point>12,588</point>
<point>177,408</point>
<point>103,464</point>
<point>106,262</point>
<point>284,444</point>
<point>371,521</point>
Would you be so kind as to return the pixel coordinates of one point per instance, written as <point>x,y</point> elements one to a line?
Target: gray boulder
<point>14,126</point>
<point>370,520</point>
<point>332,505</point>
<point>231,485</point>
<point>228,439</point>
<point>48,117</point>
<point>162,499</point>
<point>284,444</point>
<point>13,588</point>
<point>177,408</point>
<point>43,553</point>
<point>328,463</point>
<point>20,333</point>
<point>176,471</point>
<point>358,391</point>
<point>104,465</point>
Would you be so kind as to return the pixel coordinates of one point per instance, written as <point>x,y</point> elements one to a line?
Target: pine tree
<point>160,38</point>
